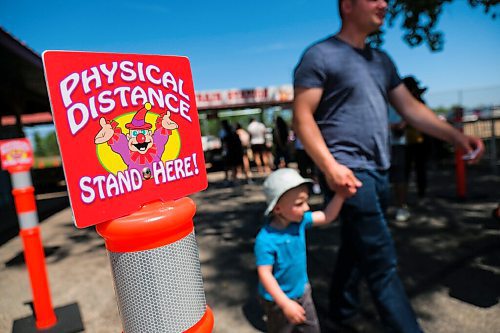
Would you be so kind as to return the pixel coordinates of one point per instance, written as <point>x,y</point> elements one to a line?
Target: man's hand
<point>167,123</point>
<point>470,144</point>
<point>294,312</point>
<point>342,180</point>
<point>423,119</point>
<point>399,126</point>
<point>105,133</point>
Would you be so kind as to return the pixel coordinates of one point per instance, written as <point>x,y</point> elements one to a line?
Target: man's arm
<point>422,118</point>
<point>338,176</point>
<point>293,311</point>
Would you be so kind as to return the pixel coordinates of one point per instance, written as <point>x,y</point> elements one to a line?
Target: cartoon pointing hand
<point>167,123</point>
<point>105,133</point>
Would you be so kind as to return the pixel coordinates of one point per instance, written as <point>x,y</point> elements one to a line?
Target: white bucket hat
<point>280,181</point>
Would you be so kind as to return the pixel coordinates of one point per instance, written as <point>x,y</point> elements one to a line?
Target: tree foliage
<point>46,145</point>
<point>420,17</point>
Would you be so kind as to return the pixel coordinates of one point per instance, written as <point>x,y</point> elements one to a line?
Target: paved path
<point>449,254</point>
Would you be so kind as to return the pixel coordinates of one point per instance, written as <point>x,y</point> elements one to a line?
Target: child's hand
<point>294,312</point>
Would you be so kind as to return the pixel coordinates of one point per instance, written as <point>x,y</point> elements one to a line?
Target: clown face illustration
<point>141,146</point>
<point>140,140</point>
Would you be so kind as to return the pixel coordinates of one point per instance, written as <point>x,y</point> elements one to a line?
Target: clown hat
<point>139,121</point>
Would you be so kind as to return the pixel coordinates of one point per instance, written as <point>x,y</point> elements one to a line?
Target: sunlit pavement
<point>449,260</point>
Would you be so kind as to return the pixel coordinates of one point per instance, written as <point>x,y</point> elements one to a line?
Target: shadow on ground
<point>447,244</point>
<point>45,209</point>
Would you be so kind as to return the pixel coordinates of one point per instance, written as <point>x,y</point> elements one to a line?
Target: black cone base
<point>68,321</point>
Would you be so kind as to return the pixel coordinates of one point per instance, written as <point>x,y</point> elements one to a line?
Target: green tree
<point>420,17</point>
<point>47,145</point>
<point>51,146</point>
<point>441,110</point>
<point>39,146</point>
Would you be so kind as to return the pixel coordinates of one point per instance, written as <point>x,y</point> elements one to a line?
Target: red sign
<point>128,130</point>
<point>16,154</point>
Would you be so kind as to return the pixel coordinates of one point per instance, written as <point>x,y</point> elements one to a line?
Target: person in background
<point>280,252</point>
<point>257,131</point>
<point>306,166</point>
<point>417,144</point>
<point>268,152</point>
<point>245,143</point>
<point>342,88</point>
<point>232,151</point>
<point>222,134</point>
<point>397,171</point>
<point>280,137</point>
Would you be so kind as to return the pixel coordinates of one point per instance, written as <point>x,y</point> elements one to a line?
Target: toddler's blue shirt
<point>285,250</point>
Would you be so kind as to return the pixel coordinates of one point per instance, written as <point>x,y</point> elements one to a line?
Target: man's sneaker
<point>402,214</point>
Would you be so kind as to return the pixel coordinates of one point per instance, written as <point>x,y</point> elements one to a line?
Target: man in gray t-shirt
<point>342,90</point>
<point>352,116</point>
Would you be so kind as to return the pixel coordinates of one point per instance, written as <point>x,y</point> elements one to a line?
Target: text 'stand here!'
<point>128,130</point>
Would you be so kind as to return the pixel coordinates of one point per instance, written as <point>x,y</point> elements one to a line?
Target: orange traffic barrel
<point>156,269</point>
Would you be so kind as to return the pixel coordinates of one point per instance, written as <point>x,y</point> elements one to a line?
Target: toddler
<point>280,250</point>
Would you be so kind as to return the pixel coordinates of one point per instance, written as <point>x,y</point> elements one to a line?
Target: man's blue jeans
<point>367,251</point>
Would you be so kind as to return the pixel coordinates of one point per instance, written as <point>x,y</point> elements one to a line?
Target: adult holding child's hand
<point>342,89</point>
<point>341,179</point>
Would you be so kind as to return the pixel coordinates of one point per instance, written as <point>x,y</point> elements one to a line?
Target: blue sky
<point>240,44</point>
